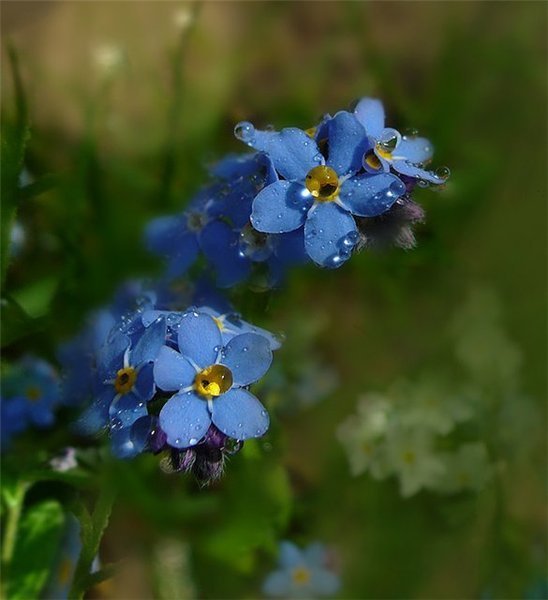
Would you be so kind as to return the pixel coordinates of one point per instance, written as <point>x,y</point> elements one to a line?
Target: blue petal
<point>141,430</point>
<point>144,386</point>
<point>111,356</point>
<point>281,207</point>
<point>291,150</point>
<point>151,341</point>
<point>248,356</point>
<point>278,583</point>
<point>371,195</point>
<point>290,555</point>
<point>315,554</point>
<point>169,237</point>
<point>184,419</point>
<point>347,143</point>
<point>405,168</point>
<point>324,582</point>
<point>220,244</point>
<point>370,113</point>
<point>122,445</point>
<point>172,370</point>
<point>96,416</point>
<point>126,409</point>
<point>329,235</point>
<point>415,150</point>
<point>239,415</point>
<point>199,338</point>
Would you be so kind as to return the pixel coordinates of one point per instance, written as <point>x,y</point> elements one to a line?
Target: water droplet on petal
<point>443,172</point>
<point>245,131</point>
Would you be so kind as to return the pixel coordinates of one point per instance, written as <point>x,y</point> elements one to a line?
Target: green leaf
<point>16,323</point>
<point>37,543</point>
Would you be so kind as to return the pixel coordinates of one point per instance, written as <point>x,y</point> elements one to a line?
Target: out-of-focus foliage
<point>114,112</point>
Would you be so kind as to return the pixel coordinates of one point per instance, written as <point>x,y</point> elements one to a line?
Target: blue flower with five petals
<point>302,573</point>
<point>389,149</point>
<point>210,381</point>
<point>321,193</point>
<point>126,384</point>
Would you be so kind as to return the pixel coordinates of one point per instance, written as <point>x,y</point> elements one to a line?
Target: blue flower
<point>209,379</point>
<point>323,194</point>
<point>302,573</point>
<point>389,149</point>
<point>125,384</point>
<point>30,394</point>
<point>177,237</point>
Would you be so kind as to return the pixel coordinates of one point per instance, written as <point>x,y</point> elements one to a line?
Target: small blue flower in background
<point>302,573</point>
<point>62,574</point>
<point>30,395</point>
<point>323,193</point>
<point>177,237</point>
<point>389,149</point>
<point>209,379</point>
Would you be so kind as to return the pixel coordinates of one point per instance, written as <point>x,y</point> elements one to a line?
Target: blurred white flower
<point>468,468</point>
<point>362,436</point>
<point>412,457</point>
<point>107,57</point>
<point>182,18</point>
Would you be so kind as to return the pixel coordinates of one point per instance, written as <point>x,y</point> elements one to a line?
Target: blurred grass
<point>471,76</point>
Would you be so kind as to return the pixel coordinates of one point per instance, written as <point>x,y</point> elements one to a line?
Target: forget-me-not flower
<point>302,573</point>
<point>210,382</point>
<point>389,149</point>
<point>323,193</point>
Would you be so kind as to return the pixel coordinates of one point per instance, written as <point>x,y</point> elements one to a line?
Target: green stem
<point>14,507</point>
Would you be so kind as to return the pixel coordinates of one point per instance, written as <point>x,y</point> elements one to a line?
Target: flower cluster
<point>398,433</point>
<point>409,430</point>
<point>304,573</point>
<point>178,382</point>
<point>30,395</point>
<point>317,195</point>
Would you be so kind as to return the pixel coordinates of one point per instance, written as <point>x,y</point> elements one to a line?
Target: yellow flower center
<point>220,323</point>
<point>323,183</point>
<point>34,393</point>
<point>213,381</point>
<point>383,152</point>
<point>64,572</point>
<point>311,132</point>
<point>300,576</point>
<point>372,161</point>
<point>125,380</point>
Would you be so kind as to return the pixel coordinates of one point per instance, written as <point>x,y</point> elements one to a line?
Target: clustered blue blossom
<point>302,573</point>
<point>30,396</point>
<point>316,195</point>
<point>177,382</point>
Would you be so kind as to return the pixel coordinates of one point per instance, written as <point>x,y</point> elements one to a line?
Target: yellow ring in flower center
<point>213,381</point>
<point>300,575</point>
<point>323,183</point>
<point>125,380</point>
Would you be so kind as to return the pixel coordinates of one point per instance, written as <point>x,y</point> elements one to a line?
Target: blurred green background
<point>130,101</point>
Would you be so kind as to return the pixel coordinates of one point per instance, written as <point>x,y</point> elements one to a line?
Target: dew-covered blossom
<point>318,195</point>
<point>306,573</point>
<point>177,382</point>
<point>334,178</point>
<point>216,225</point>
<point>30,396</point>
